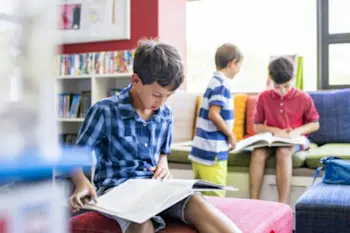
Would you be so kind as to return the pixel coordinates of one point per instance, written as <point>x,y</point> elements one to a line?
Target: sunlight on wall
<point>260,28</point>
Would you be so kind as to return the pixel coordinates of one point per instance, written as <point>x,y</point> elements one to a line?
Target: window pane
<point>256,31</point>
<point>339,17</point>
<point>339,64</point>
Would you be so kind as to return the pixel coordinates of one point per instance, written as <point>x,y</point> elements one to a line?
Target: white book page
<point>302,140</point>
<point>145,211</point>
<point>255,139</point>
<point>135,194</point>
<point>143,214</point>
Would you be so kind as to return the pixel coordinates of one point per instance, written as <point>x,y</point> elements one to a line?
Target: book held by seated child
<point>138,200</point>
<point>268,140</point>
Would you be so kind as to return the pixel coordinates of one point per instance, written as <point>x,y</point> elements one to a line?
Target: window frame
<point>324,39</point>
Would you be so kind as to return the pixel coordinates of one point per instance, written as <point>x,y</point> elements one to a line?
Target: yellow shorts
<point>216,174</point>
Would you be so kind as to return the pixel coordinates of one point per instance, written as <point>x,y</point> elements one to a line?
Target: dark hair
<point>281,70</point>
<point>225,54</point>
<point>158,62</point>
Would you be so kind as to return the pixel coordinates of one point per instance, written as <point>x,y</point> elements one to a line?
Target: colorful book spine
<point>67,139</point>
<point>73,105</point>
<point>110,62</point>
<point>76,64</point>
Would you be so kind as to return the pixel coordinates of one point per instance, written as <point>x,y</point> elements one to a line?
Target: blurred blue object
<point>32,166</point>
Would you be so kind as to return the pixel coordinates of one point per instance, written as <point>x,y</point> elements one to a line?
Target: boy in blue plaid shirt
<point>131,135</point>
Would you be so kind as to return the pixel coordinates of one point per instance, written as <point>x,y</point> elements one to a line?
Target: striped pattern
<point>125,145</point>
<point>209,142</point>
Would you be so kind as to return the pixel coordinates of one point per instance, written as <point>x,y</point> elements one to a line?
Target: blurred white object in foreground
<point>27,47</point>
<point>34,208</point>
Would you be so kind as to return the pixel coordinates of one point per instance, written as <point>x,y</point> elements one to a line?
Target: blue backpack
<point>335,170</point>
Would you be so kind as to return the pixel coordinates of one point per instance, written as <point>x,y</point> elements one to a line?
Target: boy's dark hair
<point>226,53</point>
<point>281,70</point>
<point>158,62</point>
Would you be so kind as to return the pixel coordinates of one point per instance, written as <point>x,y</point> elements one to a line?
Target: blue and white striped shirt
<point>209,143</point>
<point>125,144</point>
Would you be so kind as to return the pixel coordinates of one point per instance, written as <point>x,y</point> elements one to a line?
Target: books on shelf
<point>68,139</point>
<point>73,105</point>
<point>113,62</point>
<point>268,140</point>
<point>110,62</point>
<point>136,200</point>
<point>75,64</point>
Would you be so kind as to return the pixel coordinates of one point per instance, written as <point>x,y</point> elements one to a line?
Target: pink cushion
<point>251,216</point>
<point>249,123</point>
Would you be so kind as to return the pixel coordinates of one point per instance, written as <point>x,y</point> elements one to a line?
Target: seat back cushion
<point>240,105</point>
<point>251,102</point>
<point>183,105</point>
<point>240,102</point>
<point>334,109</point>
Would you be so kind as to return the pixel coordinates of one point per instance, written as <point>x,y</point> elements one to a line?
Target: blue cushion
<point>324,208</point>
<point>334,109</point>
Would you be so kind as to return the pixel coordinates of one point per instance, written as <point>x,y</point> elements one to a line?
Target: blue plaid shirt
<point>125,144</point>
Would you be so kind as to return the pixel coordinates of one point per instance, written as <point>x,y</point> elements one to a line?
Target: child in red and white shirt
<point>285,112</point>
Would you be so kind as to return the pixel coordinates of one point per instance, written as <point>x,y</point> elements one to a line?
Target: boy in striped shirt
<point>214,136</point>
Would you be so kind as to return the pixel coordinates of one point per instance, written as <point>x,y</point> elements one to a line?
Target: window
<point>271,27</point>
<point>339,16</point>
<point>339,59</point>
<point>334,44</point>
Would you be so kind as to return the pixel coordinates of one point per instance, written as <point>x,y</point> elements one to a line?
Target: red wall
<point>144,23</point>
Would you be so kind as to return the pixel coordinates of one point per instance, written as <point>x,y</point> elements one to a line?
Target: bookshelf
<point>103,74</point>
<point>99,85</point>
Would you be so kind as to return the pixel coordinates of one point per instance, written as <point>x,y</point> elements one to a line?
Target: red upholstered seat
<point>251,216</point>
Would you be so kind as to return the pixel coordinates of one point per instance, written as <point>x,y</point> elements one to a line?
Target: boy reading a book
<point>285,112</point>
<point>131,135</point>
<point>214,136</point>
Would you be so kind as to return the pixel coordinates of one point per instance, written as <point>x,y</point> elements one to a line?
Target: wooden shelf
<point>88,76</point>
<point>70,119</point>
<point>97,76</point>
<point>116,75</point>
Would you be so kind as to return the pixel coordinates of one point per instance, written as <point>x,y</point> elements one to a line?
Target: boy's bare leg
<point>206,218</point>
<point>146,227</point>
<point>256,170</point>
<point>284,168</point>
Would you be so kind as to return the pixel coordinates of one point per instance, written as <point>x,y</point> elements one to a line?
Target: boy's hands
<point>287,133</point>
<point>232,140</point>
<point>161,171</point>
<point>283,133</point>
<point>84,192</point>
<point>294,134</point>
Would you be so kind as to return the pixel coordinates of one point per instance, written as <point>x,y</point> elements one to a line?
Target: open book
<point>267,140</point>
<point>138,200</point>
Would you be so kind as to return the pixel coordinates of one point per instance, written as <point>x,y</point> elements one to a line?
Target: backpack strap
<point>317,173</point>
